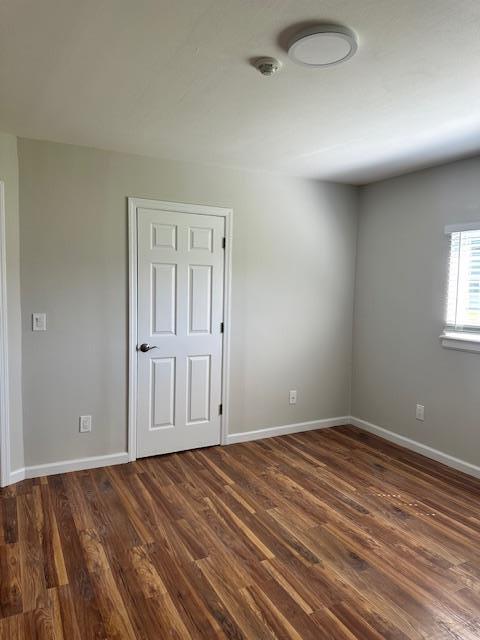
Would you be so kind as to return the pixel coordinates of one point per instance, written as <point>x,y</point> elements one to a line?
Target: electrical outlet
<point>420,412</point>
<point>292,397</point>
<point>85,424</point>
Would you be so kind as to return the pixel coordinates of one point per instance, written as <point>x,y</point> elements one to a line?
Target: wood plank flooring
<point>332,534</point>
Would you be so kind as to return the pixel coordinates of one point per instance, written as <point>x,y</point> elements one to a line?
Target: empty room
<point>239,320</point>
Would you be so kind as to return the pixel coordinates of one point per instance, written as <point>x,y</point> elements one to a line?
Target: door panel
<point>164,235</point>
<point>198,391</point>
<point>164,294</point>
<point>201,239</point>
<point>162,385</point>
<point>180,311</point>
<point>200,298</point>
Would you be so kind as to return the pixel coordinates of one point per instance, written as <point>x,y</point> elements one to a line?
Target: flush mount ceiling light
<point>323,46</point>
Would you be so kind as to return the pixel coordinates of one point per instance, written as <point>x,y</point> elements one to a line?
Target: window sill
<point>461,341</point>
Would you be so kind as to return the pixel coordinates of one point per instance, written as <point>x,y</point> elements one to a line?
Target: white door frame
<point>4,392</point>
<point>177,207</point>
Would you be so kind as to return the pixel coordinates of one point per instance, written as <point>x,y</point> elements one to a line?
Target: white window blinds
<point>463,302</point>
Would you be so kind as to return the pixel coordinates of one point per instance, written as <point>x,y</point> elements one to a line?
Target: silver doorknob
<point>146,347</point>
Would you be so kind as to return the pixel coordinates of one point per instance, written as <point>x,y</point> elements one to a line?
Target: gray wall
<point>399,310</point>
<point>9,175</point>
<point>292,302</point>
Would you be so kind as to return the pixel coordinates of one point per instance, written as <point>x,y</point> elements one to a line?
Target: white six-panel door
<point>180,262</point>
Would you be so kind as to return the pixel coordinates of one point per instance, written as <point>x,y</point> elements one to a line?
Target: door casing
<point>5,471</point>
<point>175,207</point>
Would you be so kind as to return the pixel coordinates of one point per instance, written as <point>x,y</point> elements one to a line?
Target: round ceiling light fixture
<point>323,46</point>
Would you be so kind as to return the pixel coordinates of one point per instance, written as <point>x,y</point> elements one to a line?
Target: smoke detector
<point>267,66</point>
<point>323,46</point>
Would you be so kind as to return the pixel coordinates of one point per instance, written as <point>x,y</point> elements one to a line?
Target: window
<point>463,299</point>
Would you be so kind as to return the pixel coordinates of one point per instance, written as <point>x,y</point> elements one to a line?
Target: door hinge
<point>221,327</point>
<point>224,243</point>
<point>220,409</point>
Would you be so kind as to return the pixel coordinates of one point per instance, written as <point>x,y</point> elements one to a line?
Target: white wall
<point>9,175</point>
<point>292,237</point>
<point>292,292</point>
<point>399,310</point>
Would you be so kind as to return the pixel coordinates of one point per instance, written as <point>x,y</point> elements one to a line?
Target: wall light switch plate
<point>420,412</point>
<point>85,424</point>
<point>39,321</point>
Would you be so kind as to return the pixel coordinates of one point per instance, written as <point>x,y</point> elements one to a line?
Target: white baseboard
<point>17,475</point>
<point>64,466</point>
<point>258,434</point>
<point>270,432</point>
<point>418,447</point>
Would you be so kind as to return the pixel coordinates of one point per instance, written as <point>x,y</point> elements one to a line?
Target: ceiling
<point>172,79</point>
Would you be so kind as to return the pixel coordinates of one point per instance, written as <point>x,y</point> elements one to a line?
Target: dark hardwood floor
<point>333,534</point>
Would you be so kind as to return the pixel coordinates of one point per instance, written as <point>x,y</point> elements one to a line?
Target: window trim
<point>467,338</point>
<point>461,340</point>
<point>458,228</point>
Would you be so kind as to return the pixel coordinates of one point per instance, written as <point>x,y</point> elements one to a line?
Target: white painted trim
<point>178,207</point>
<point>17,475</point>
<point>461,341</point>
<point>132,329</point>
<point>227,301</point>
<point>299,427</point>
<point>418,447</point>
<point>4,388</point>
<point>181,207</point>
<point>258,434</point>
<point>80,464</point>
<point>466,226</point>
